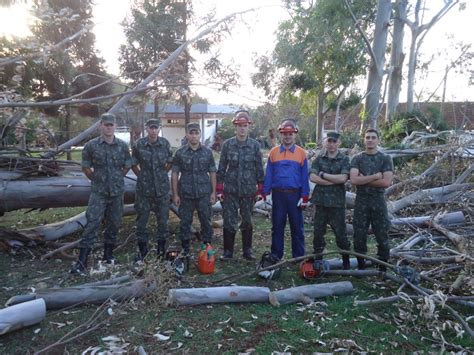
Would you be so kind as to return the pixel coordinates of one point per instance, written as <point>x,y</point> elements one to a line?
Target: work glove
<point>303,202</point>
<point>220,191</point>
<point>260,194</point>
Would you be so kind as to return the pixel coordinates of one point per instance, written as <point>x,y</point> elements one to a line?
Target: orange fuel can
<point>206,259</point>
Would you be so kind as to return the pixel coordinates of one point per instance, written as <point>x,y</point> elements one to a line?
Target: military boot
<point>108,253</point>
<point>360,263</point>
<point>346,262</point>
<point>229,238</point>
<point>161,249</point>
<point>142,251</point>
<point>381,267</point>
<point>186,247</point>
<point>81,264</point>
<point>247,244</point>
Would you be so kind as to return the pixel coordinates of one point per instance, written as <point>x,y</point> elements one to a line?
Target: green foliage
<point>226,129</point>
<point>310,145</point>
<point>403,124</point>
<point>349,139</point>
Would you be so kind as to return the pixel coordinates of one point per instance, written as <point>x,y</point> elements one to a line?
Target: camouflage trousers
<point>336,218</point>
<point>204,211</point>
<point>160,206</point>
<point>230,209</point>
<point>371,210</point>
<point>108,208</point>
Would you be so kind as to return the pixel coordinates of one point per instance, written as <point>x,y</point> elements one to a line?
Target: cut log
<point>21,315</point>
<point>225,294</point>
<point>52,192</point>
<point>308,293</point>
<point>65,297</point>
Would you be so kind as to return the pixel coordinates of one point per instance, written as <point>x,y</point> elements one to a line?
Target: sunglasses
<point>108,124</point>
<point>330,140</point>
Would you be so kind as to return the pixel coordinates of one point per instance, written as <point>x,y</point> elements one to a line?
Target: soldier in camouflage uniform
<point>329,171</point>
<point>239,179</point>
<point>151,161</point>
<point>196,189</point>
<point>372,172</point>
<point>105,161</point>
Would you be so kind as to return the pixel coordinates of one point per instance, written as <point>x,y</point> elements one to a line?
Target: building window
<point>173,121</point>
<point>209,123</point>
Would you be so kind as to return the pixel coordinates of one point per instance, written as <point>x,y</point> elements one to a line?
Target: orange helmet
<point>288,126</point>
<point>241,117</point>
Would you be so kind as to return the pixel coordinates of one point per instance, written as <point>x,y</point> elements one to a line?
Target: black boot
<point>108,253</point>
<point>360,263</point>
<point>229,238</point>
<point>247,244</point>
<point>186,247</point>
<point>142,251</point>
<point>346,262</point>
<point>81,264</point>
<point>381,267</point>
<point>161,249</point>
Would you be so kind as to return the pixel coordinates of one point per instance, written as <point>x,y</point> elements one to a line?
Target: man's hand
<point>176,200</point>
<point>220,191</point>
<point>303,202</point>
<point>212,200</point>
<point>260,194</point>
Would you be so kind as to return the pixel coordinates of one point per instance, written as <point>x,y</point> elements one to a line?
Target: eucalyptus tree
<point>319,51</point>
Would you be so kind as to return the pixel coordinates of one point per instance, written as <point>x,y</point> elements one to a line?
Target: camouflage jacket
<point>240,167</point>
<point>369,164</point>
<point>194,166</point>
<point>330,195</point>
<point>108,162</point>
<point>152,158</point>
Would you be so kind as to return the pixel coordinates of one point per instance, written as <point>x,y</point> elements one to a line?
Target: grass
<point>324,326</point>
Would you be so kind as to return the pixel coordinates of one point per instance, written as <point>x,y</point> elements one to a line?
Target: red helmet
<point>288,126</point>
<point>241,117</point>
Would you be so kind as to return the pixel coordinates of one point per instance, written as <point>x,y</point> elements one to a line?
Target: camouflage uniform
<point>240,169</point>
<point>106,199</point>
<point>370,205</point>
<point>194,188</point>
<point>153,186</point>
<point>330,202</point>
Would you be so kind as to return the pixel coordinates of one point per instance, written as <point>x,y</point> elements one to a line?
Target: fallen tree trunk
<point>21,315</point>
<point>225,294</point>
<point>51,192</point>
<point>426,195</point>
<point>307,293</point>
<point>65,297</point>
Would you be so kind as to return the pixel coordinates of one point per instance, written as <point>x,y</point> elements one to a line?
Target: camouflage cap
<point>333,135</point>
<point>193,126</point>
<point>107,118</point>
<point>153,122</point>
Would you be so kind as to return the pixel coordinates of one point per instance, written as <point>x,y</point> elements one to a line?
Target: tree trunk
<point>65,297</point>
<point>319,118</point>
<point>225,294</point>
<point>411,72</point>
<point>376,69</point>
<point>52,192</point>
<point>21,315</point>
<point>396,60</point>
<point>307,293</point>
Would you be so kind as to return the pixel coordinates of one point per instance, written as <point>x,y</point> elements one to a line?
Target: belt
<point>288,191</point>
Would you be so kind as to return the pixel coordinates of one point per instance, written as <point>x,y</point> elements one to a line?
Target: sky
<point>254,34</point>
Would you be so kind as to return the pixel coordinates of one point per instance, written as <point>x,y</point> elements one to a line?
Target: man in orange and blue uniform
<point>287,179</point>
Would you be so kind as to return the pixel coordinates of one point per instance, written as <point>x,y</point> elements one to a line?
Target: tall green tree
<point>320,52</point>
<point>69,71</point>
<point>154,29</point>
